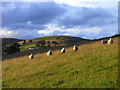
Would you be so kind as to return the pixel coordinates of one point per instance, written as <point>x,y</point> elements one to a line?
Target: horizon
<point>88,20</point>
<point>63,35</point>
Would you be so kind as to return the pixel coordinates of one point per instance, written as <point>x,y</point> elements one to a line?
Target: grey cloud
<point>87,17</point>
<point>46,12</point>
<point>25,26</point>
<point>38,13</point>
<point>27,34</point>
<point>57,32</point>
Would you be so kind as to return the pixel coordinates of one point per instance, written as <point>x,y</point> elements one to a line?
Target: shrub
<point>30,41</point>
<point>24,42</point>
<point>43,43</point>
<point>48,43</point>
<point>54,42</point>
<point>38,44</point>
<point>11,48</point>
<point>14,44</point>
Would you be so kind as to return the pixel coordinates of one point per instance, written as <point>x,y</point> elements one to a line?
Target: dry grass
<point>94,65</point>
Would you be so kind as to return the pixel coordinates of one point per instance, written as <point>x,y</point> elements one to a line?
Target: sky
<point>91,19</point>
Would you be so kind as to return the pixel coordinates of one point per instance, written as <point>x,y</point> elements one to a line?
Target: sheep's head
<point>49,51</point>
<point>31,54</point>
<point>74,45</point>
<point>110,38</point>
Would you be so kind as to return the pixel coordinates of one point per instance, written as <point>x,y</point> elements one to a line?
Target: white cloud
<point>9,6</point>
<point>60,1</point>
<point>89,3</point>
<point>29,22</point>
<point>50,28</point>
<point>27,34</point>
<point>27,0</point>
<point>89,30</point>
<point>69,31</point>
<point>65,24</point>
<point>87,33</point>
<point>77,1</point>
<point>5,33</point>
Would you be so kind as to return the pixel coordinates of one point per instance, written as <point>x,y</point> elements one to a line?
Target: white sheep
<point>110,41</point>
<point>63,50</point>
<point>75,48</point>
<point>49,53</point>
<point>30,56</point>
<point>104,41</point>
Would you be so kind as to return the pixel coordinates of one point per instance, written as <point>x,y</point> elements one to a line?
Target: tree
<point>38,44</point>
<point>11,48</point>
<point>14,44</point>
<point>54,42</point>
<point>43,43</point>
<point>4,49</point>
<point>48,43</point>
<point>24,42</point>
<point>30,41</point>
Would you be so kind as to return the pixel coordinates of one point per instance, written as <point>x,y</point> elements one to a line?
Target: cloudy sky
<point>88,19</point>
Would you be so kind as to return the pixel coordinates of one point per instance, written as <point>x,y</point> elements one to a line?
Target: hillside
<point>9,40</point>
<point>94,65</point>
<point>114,36</point>
<point>63,41</point>
<point>59,37</point>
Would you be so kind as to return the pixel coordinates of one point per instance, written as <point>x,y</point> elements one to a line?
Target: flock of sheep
<point>49,53</point>
<point>75,48</point>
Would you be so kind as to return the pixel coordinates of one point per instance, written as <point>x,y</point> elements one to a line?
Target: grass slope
<point>93,66</point>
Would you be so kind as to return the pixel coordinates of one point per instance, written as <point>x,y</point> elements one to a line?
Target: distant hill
<point>116,35</point>
<point>67,40</point>
<point>9,40</point>
<point>59,37</point>
<point>62,41</point>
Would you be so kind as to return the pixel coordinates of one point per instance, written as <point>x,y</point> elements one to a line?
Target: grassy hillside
<point>94,65</point>
<point>9,40</point>
<point>63,41</point>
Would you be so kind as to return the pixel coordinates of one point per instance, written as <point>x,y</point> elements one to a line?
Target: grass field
<point>94,65</point>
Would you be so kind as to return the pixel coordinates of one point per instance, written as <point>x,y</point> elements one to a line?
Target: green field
<point>94,65</point>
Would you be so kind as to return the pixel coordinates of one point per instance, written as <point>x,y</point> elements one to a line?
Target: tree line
<point>14,47</point>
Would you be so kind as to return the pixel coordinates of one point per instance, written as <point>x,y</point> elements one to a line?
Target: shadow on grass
<point>44,49</point>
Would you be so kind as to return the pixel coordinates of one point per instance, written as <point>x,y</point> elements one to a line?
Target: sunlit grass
<point>93,66</point>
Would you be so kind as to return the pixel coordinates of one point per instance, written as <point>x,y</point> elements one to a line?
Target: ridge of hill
<point>114,36</point>
<point>9,40</point>
<point>58,37</point>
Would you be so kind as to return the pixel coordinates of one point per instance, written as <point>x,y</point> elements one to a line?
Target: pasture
<point>94,65</point>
